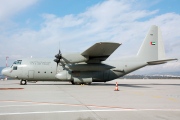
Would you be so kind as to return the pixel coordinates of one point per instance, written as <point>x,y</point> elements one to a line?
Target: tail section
<point>152,48</point>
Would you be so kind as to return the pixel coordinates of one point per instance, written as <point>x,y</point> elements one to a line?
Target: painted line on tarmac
<point>3,106</point>
<point>56,103</point>
<point>116,108</point>
<point>80,111</point>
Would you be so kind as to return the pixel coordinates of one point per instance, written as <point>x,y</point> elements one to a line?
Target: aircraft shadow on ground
<point>120,85</point>
<point>135,85</point>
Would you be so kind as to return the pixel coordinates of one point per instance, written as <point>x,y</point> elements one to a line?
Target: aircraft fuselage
<point>47,70</point>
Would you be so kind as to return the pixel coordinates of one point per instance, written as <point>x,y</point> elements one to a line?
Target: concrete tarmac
<point>136,100</point>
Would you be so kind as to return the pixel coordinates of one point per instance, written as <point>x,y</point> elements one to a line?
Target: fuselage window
<point>14,67</point>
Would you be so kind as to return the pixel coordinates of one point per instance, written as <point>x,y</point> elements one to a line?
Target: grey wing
<point>100,51</point>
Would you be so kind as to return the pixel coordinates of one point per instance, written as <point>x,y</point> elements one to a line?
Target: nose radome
<point>5,71</point>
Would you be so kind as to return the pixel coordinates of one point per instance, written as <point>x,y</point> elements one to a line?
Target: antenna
<point>6,66</point>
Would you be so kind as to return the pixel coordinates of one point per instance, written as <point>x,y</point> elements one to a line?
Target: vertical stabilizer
<point>152,48</point>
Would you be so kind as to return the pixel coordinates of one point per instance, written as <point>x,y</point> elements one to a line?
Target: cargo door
<point>31,74</point>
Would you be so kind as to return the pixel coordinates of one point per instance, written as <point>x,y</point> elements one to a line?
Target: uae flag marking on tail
<point>153,43</point>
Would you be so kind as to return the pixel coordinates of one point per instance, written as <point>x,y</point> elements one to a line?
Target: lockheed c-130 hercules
<point>90,65</point>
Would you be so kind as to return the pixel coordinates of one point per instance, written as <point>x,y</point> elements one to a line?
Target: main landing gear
<point>23,82</point>
<point>74,83</point>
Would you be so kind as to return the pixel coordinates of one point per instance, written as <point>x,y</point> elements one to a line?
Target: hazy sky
<point>36,27</point>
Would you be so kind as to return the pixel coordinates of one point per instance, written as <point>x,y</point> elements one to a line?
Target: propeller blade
<point>58,59</point>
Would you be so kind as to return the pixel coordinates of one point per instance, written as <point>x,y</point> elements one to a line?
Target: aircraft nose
<point>5,71</point>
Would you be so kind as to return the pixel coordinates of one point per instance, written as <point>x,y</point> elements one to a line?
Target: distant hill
<point>150,77</point>
<point>165,73</point>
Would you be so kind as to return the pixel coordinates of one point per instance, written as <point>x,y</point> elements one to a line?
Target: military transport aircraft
<point>90,65</point>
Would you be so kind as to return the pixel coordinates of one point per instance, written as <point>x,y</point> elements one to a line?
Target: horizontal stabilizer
<point>160,61</point>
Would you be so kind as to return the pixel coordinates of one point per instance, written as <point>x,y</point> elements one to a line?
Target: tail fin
<point>152,48</point>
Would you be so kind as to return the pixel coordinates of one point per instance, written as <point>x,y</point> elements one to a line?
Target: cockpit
<point>13,70</point>
<point>14,65</point>
<point>18,62</point>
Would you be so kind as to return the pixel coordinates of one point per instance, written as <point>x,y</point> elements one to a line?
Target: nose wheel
<point>23,82</point>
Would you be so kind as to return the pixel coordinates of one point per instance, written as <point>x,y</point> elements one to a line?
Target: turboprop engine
<point>70,58</point>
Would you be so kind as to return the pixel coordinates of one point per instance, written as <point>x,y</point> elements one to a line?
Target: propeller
<point>58,57</point>
<point>58,60</point>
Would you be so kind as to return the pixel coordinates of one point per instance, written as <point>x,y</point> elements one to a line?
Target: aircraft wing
<point>100,51</point>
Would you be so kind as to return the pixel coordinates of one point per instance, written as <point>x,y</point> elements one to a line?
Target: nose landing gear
<point>23,82</point>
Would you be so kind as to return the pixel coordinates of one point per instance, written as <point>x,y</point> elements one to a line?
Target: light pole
<point>7,61</point>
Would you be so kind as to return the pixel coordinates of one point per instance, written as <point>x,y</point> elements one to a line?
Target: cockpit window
<point>14,67</point>
<point>18,62</point>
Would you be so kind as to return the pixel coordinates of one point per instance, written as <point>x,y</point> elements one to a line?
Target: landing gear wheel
<point>72,82</point>
<point>89,83</point>
<point>23,82</point>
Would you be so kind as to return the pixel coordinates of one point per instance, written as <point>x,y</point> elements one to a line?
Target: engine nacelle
<point>74,58</point>
<point>64,76</point>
